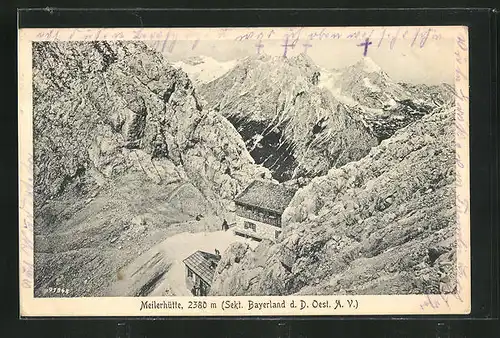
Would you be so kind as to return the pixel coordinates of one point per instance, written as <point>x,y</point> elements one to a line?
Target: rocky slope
<point>433,95</point>
<point>382,225</point>
<point>121,144</point>
<point>103,108</point>
<point>290,124</point>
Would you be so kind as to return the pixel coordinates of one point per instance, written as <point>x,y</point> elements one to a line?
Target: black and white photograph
<point>234,162</point>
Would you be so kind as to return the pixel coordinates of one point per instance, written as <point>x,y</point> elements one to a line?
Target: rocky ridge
<point>382,225</point>
<point>102,108</point>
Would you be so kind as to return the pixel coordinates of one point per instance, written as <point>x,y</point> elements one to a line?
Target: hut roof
<point>201,264</point>
<point>266,195</point>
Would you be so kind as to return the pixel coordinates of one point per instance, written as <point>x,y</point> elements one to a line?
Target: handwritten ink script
<point>418,37</point>
<point>462,139</point>
<point>165,40</point>
<point>462,172</point>
<point>26,216</point>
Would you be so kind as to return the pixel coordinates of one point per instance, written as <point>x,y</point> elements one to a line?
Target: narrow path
<point>168,256</point>
<point>176,190</point>
<point>180,246</point>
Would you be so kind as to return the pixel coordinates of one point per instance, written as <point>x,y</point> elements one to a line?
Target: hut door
<point>203,289</point>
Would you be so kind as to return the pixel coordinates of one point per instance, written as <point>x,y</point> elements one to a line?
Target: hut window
<point>250,225</point>
<point>190,273</point>
<point>277,234</point>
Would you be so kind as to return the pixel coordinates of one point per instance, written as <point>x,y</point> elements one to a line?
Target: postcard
<point>271,171</point>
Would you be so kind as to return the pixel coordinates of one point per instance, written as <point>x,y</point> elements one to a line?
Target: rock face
<point>123,151</point>
<point>103,108</point>
<point>290,124</point>
<point>381,225</point>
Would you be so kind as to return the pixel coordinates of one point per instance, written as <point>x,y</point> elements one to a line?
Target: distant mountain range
<point>299,120</point>
<point>290,124</point>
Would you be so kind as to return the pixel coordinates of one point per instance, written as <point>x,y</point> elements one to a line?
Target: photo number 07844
<point>244,171</point>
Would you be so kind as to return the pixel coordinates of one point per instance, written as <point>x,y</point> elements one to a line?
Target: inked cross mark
<point>366,44</point>
<point>259,46</point>
<point>286,45</point>
<point>306,46</point>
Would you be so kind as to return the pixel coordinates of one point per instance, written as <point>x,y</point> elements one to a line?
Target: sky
<point>432,64</point>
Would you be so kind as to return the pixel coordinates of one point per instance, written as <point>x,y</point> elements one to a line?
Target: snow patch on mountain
<point>369,66</point>
<point>203,69</point>
<point>330,80</point>
<point>371,86</point>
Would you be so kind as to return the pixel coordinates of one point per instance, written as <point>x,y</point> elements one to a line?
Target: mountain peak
<point>302,58</point>
<point>299,61</point>
<point>368,65</point>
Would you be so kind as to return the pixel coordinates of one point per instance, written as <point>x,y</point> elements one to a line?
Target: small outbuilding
<point>200,270</point>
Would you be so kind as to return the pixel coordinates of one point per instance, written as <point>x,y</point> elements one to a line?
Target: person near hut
<point>225,226</point>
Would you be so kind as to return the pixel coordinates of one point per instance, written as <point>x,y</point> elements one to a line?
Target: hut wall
<point>259,215</point>
<point>190,278</point>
